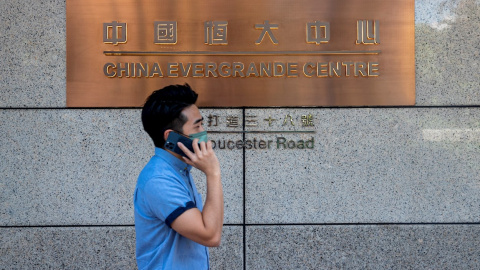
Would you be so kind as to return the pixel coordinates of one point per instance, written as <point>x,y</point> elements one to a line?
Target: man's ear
<point>166,133</point>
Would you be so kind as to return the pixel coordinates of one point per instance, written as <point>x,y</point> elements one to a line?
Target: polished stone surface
<point>79,167</point>
<point>229,255</point>
<point>447,45</point>
<point>363,247</point>
<point>67,248</point>
<point>33,53</point>
<point>367,165</point>
<point>94,248</point>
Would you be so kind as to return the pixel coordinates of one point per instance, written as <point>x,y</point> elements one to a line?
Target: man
<point>172,228</point>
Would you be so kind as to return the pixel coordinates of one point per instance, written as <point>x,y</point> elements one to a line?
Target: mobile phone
<point>172,140</point>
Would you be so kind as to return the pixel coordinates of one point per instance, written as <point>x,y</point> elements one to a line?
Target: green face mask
<point>201,136</point>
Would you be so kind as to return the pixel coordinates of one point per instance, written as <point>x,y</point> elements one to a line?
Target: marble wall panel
<point>94,248</point>
<point>33,53</point>
<point>367,165</point>
<point>229,255</point>
<point>447,47</point>
<point>363,247</point>
<point>68,248</point>
<point>79,167</point>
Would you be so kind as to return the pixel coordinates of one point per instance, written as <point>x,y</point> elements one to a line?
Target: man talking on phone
<point>173,228</point>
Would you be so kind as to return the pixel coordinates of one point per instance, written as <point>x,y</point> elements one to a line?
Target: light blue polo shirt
<point>165,190</point>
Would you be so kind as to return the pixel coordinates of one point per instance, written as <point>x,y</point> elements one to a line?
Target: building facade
<point>363,188</point>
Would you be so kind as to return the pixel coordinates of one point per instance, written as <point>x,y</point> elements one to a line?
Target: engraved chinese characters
<point>215,32</point>
<point>233,121</point>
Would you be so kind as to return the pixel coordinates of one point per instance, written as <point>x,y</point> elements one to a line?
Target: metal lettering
<point>368,32</point>
<point>266,29</point>
<point>141,70</point>
<point>291,120</point>
<point>165,32</point>
<point>216,32</point>
<point>106,70</point>
<point>231,145</point>
<point>347,66</point>
<point>197,70</point>
<point>251,121</point>
<point>225,69</point>
<point>292,69</point>
<point>121,70</point>
<point>360,69</point>
<point>238,69</point>
<point>185,70</point>
<point>171,68</point>
<point>156,70</point>
<point>114,33</point>
<point>300,144</point>
<point>232,121</point>
<point>212,120</point>
<point>373,69</point>
<point>307,72</point>
<point>210,68</point>
<point>279,69</point>
<point>252,70</point>
<point>270,120</point>
<point>335,69</point>
<point>318,32</point>
<point>265,69</point>
<point>239,144</point>
<point>322,69</point>
<point>307,120</point>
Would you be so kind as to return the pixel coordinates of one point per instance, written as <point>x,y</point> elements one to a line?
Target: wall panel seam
<point>246,108</point>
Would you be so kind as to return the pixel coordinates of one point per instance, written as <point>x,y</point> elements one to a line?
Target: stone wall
<point>383,188</point>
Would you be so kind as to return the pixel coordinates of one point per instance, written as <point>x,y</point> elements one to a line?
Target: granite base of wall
<point>67,248</point>
<point>267,247</point>
<point>94,248</point>
<point>363,247</point>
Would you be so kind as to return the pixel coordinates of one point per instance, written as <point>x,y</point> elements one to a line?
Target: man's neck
<point>175,155</point>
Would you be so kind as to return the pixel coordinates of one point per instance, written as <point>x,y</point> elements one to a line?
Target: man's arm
<point>203,227</point>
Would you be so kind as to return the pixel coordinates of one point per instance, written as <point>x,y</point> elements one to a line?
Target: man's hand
<point>203,158</point>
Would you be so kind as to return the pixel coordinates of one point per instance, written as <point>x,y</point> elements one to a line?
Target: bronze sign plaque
<point>242,53</point>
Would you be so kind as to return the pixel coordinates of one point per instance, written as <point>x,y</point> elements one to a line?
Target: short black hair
<point>163,110</point>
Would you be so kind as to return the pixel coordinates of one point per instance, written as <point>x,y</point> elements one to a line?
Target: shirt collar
<point>171,159</point>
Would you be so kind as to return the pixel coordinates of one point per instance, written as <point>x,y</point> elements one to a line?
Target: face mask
<point>201,136</point>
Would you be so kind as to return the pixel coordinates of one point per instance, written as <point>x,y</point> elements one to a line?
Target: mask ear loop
<point>184,135</point>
